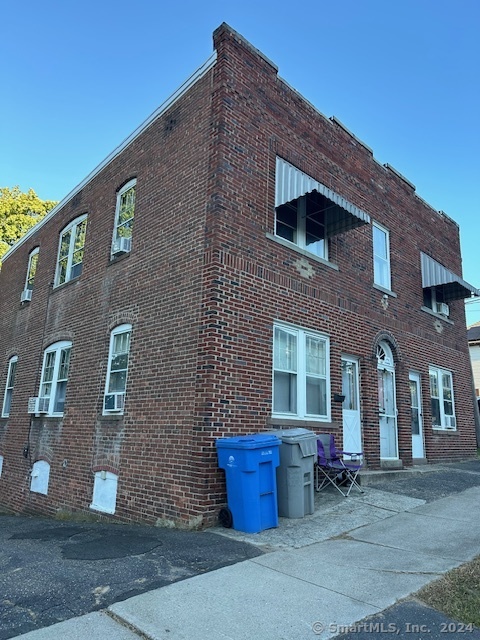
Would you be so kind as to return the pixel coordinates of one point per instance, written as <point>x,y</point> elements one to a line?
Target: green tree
<point>18,213</point>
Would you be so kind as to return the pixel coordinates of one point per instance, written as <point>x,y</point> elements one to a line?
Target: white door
<point>418,450</point>
<point>387,405</point>
<point>352,431</point>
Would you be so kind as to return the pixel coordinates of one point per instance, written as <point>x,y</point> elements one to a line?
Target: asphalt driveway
<point>51,571</point>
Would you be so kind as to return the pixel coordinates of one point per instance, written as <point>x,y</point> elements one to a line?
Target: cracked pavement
<point>51,571</point>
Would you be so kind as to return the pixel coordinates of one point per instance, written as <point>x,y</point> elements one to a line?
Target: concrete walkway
<point>353,558</point>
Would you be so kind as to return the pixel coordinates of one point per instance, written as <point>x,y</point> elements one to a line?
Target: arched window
<point>124,213</point>
<point>7,398</point>
<point>384,355</point>
<point>31,271</point>
<point>56,364</point>
<point>116,382</point>
<point>70,251</point>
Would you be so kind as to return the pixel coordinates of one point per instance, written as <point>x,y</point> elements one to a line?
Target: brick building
<point>239,263</point>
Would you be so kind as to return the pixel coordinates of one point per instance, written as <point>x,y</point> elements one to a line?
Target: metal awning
<point>435,274</point>
<point>291,183</point>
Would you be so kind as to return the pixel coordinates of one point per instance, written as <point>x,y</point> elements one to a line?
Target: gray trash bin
<point>295,474</point>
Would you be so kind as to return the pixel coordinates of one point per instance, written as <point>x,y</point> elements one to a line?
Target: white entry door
<point>387,405</point>
<point>352,430</point>
<point>418,449</point>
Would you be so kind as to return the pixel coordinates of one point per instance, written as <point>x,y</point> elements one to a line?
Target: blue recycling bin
<point>250,464</point>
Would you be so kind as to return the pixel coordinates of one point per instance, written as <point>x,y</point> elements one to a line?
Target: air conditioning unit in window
<point>26,295</point>
<point>121,246</point>
<point>114,402</point>
<point>442,308</point>
<point>450,422</point>
<point>38,405</point>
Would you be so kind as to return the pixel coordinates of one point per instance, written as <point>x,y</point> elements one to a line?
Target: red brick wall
<point>252,281</point>
<point>157,289</point>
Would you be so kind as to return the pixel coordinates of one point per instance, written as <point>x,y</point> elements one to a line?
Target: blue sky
<point>402,75</point>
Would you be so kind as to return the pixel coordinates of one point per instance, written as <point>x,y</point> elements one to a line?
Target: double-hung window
<point>116,383</point>
<point>381,256</point>
<point>302,222</point>
<point>301,380</point>
<point>308,213</point>
<point>31,271</point>
<point>124,214</point>
<point>7,399</point>
<point>32,268</point>
<point>56,364</point>
<point>441,286</point>
<point>441,396</point>
<point>70,250</point>
<point>433,298</point>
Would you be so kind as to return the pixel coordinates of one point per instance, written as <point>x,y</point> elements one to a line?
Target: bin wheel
<point>225,518</point>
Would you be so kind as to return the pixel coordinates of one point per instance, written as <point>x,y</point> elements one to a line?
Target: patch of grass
<point>457,593</point>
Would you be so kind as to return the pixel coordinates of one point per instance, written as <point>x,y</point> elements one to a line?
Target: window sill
<point>436,315</point>
<point>100,509</point>
<point>56,287</point>
<point>301,422</point>
<point>114,259</point>
<point>388,292</point>
<point>303,252</point>
<point>444,430</point>
<point>111,417</point>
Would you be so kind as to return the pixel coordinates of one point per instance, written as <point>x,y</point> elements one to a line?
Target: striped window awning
<point>291,183</point>
<point>453,287</point>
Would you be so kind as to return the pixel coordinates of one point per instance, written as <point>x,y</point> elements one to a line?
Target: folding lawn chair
<point>332,467</point>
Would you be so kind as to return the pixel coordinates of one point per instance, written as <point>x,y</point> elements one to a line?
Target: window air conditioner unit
<point>114,402</point>
<point>26,295</point>
<point>121,246</point>
<point>442,308</point>
<point>450,422</point>
<point>38,405</point>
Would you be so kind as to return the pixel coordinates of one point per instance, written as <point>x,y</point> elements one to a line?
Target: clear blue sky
<point>77,77</point>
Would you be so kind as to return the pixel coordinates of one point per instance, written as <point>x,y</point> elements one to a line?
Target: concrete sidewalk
<point>353,558</point>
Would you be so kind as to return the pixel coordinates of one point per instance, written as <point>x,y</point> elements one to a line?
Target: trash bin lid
<point>304,438</point>
<point>294,435</point>
<point>254,441</point>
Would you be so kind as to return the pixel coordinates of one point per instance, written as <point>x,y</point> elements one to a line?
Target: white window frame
<point>381,258</point>
<point>55,387</point>
<point>448,421</point>
<point>121,329</point>
<point>300,231</point>
<point>299,369</point>
<point>31,269</point>
<point>9,385</point>
<point>127,230</point>
<point>72,270</point>
<point>432,304</point>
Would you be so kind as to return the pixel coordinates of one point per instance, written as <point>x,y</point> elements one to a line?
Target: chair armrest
<point>357,454</point>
